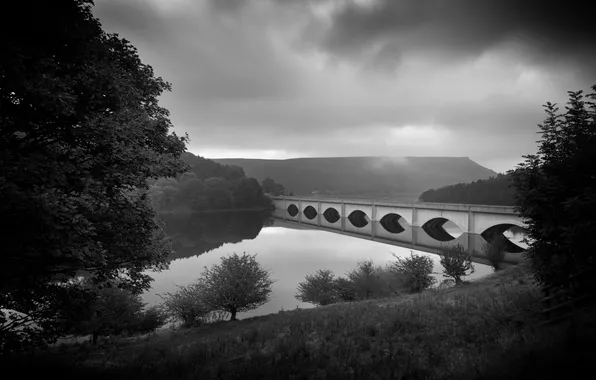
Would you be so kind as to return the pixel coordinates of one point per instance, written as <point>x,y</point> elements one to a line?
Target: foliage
<point>555,190</point>
<point>115,311</point>
<point>186,305</point>
<point>319,288</point>
<point>270,187</point>
<point>345,290</point>
<point>80,132</point>
<point>415,270</point>
<point>370,281</point>
<point>237,284</point>
<point>496,190</point>
<point>437,335</point>
<point>495,251</point>
<point>196,191</point>
<point>457,262</point>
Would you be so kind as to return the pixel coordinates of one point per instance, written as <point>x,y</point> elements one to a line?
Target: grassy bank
<point>485,330</point>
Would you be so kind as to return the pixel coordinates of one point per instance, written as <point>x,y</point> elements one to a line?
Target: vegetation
<point>270,187</point>
<point>373,281</point>
<point>416,272</point>
<point>320,288</point>
<point>486,330</point>
<point>555,190</point>
<point>496,190</point>
<point>495,251</point>
<point>457,263</point>
<point>207,186</point>
<point>115,311</point>
<point>369,177</point>
<point>81,131</point>
<point>185,306</point>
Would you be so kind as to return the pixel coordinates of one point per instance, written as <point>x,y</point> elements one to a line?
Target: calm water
<point>290,253</point>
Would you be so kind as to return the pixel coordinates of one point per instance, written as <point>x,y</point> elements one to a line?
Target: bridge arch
<point>436,230</point>
<point>358,218</point>
<point>331,215</point>
<point>310,212</point>
<point>390,222</point>
<point>293,210</point>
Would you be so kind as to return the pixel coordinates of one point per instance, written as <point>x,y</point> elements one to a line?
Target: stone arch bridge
<point>417,226</point>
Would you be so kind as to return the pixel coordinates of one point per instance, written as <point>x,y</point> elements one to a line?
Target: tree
<point>495,251</point>
<point>457,263</point>
<point>319,288</point>
<point>367,280</point>
<point>115,311</point>
<point>81,131</point>
<point>186,305</point>
<point>415,270</point>
<point>555,190</point>
<point>237,284</point>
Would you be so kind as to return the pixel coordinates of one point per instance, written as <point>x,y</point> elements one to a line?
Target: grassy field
<point>484,330</point>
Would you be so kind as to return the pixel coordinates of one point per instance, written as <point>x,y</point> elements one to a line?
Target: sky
<point>323,78</point>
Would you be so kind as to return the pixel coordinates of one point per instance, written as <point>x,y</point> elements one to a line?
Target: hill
<point>493,191</point>
<point>393,177</point>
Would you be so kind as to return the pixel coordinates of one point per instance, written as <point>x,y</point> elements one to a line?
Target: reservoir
<point>289,250</point>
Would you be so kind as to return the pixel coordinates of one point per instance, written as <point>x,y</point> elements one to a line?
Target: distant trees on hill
<point>207,185</point>
<point>270,187</point>
<point>493,191</point>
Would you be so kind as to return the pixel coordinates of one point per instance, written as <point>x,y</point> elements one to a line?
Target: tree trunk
<point>233,312</point>
<point>95,335</point>
<point>458,280</point>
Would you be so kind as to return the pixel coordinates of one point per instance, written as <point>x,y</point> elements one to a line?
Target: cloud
<point>289,78</point>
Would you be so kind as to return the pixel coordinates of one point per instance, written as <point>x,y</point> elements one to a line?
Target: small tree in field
<point>319,289</point>
<point>555,190</point>
<point>416,271</point>
<point>457,263</point>
<point>495,252</point>
<point>238,284</point>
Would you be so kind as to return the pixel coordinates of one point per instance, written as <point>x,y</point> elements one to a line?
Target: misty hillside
<point>393,177</point>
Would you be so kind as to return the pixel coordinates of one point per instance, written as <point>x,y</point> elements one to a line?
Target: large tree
<point>556,190</point>
<point>80,132</point>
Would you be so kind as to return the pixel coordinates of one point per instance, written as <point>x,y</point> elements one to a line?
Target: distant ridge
<point>402,178</point>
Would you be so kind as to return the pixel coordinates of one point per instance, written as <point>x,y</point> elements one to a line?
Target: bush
<point>367,280</point>
<point>320,289</point>
<point>345,290</point>
<point>416,271</point>
<point>457,263</point>
<point>495,251</point>
<point>185,305</point>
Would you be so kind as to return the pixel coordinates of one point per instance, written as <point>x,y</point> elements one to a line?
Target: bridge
<point>418,226</point>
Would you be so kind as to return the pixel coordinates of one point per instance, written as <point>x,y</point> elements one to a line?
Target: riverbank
<point>484,330</point>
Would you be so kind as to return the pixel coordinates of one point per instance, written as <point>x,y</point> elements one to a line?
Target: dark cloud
<point>547,30</point>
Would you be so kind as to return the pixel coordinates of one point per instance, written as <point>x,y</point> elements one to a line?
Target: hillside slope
<point>493,191</point>
<point>392,177</point>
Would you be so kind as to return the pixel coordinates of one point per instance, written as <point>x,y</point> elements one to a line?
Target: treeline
<point>493,191</point>
<point>207,185</point>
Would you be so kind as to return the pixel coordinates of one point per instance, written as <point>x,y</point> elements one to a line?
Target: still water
<point>289,252</point>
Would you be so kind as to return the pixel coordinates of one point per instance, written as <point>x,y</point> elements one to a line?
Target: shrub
<point>185,305</point>
<point>345,290</point>
<point>367,280</point>
<point>457,263</point>
<point>319,289</point>
<point>416,271</point>
<point>495,251</point>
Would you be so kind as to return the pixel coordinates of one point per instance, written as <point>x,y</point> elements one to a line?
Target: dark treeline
<point>207,185</point>
<point>493,191</point>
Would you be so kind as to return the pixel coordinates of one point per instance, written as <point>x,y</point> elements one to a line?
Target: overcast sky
<point>316,78</point>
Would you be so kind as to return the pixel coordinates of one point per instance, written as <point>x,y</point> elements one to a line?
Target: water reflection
<point>290,251</point>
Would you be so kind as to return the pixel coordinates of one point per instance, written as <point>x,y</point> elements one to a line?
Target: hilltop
<point>393,177</point>
<point>493,191</point>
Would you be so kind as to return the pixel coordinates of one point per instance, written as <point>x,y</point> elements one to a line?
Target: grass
<point>485,330</point>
